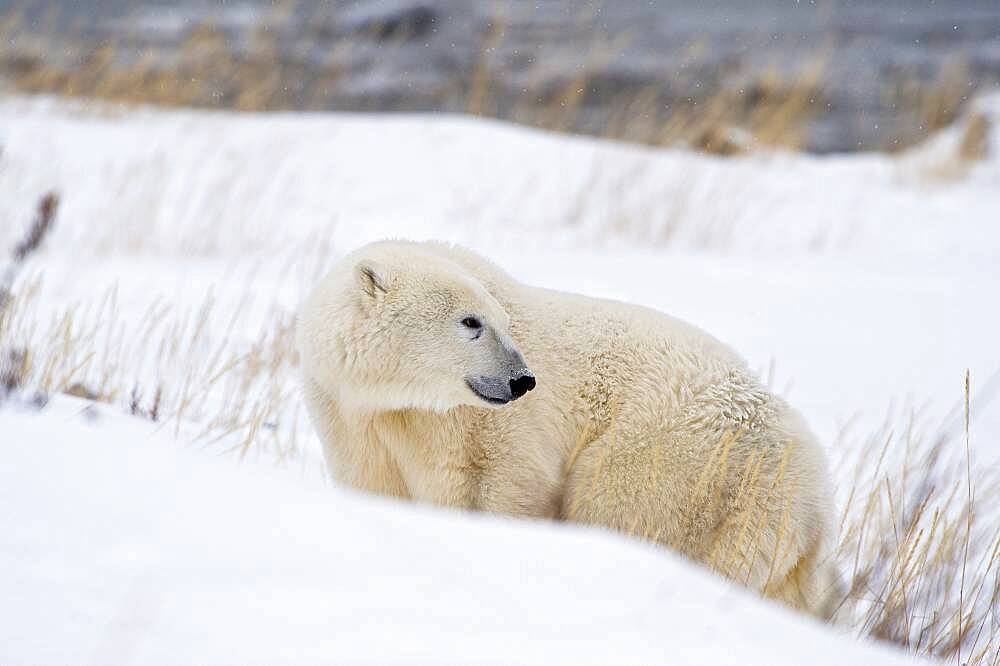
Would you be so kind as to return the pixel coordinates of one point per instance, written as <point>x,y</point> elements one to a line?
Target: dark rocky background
<point>876,75</point>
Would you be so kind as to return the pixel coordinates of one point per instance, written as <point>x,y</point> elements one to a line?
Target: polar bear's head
<point>394,326</point>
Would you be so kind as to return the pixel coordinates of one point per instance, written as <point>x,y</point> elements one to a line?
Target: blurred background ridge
<point>720,76</point>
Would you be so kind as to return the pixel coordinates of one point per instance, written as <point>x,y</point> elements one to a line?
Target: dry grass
<point>954,155</point>
<point>928,105</point>
<point>939,103</point>
<point>921,542</point>
<point>192,370</point>
<point>974,143</point>
<point>773,110</point>
<point>214,68</point>
<point>208,375</point>
<point>28,245</point>
<point>14,360</point>
<point>211,69</point>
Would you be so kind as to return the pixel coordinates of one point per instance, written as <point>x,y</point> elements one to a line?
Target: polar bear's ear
<point>371,278</point>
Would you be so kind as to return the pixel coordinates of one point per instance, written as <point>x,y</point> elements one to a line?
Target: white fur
<point>639,422</point>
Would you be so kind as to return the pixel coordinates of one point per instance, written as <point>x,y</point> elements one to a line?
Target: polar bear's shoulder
<point>494,278</point>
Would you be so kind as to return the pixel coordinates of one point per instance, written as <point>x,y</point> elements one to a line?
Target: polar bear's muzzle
<point>501,390</point>
<point>509,381</point>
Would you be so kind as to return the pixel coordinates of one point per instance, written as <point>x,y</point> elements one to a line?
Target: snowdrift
<point>862,287</point>
<point>120,547</point>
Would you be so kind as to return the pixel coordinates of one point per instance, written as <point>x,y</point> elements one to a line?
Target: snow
<point>217,183</point>
<point>863,286</point>
<point>119,547</point>
<point>865,280</point>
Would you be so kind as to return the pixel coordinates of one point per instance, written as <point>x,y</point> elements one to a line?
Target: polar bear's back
<point>600,340</point>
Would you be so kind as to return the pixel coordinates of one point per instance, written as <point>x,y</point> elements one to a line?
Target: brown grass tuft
<point>15,360</point>
<point>974,144</point>
<point>36,233</point>
<point>920,539</point>
<point>212,68</point>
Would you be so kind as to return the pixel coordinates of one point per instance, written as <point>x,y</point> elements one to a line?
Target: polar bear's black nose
<point>521,384</point>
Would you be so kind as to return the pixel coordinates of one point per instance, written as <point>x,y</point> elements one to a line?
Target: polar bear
<point>430,374</point>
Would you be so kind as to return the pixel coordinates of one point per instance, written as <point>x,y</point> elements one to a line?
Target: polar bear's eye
<point>472,322</point>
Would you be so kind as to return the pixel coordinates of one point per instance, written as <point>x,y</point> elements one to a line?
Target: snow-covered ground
<point>120,547</point>
<point>863,286</point>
